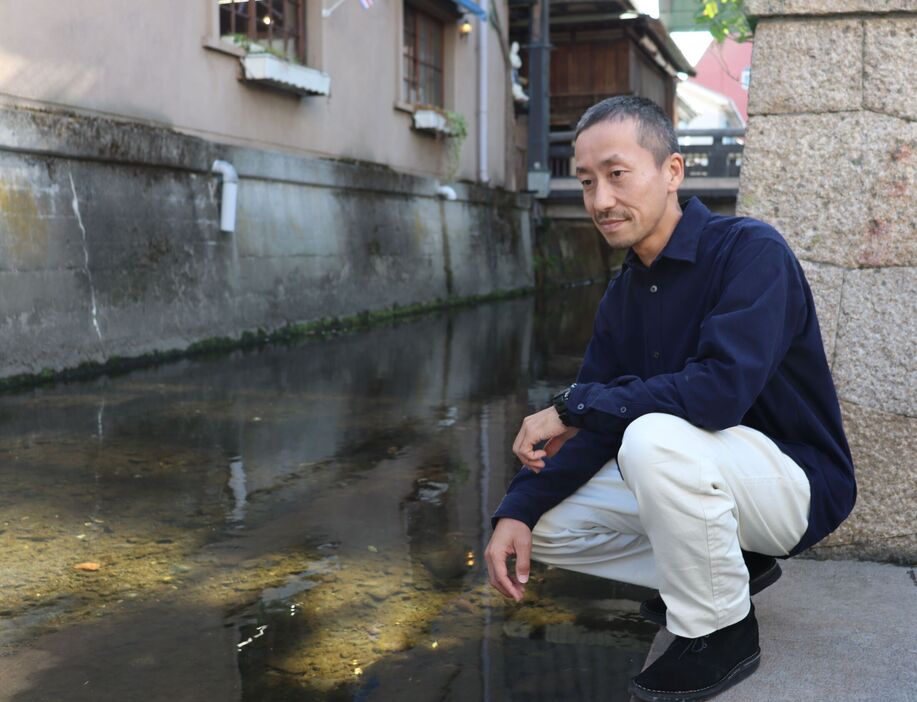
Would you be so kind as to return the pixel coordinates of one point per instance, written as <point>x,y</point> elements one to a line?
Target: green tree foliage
<point>724,18</point>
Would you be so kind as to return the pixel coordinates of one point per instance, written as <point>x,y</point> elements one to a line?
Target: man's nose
<point>604,196</point>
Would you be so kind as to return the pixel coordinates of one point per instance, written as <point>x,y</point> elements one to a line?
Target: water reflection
<point>363,469</point>
<point>239,491</point>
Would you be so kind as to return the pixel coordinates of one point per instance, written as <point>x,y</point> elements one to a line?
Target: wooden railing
<point>712,153</point>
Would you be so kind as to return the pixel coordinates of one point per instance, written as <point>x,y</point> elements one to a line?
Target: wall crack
<point>75,204</point>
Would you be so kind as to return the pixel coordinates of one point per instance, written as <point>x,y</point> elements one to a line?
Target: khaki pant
<point>673,513</point>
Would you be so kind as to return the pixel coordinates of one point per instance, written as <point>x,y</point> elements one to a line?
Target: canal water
<point>300,522</point>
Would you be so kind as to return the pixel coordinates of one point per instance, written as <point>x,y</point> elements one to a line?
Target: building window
<point>276,25</point>
<point>746,77</point>
<point>423,58</point>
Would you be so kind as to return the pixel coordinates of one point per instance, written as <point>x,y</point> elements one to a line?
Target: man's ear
<point>675,170</point>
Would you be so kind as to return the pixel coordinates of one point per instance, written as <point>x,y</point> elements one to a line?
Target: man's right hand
<point>510,538</point>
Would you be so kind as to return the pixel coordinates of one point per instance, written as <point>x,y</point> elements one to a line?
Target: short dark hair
<point>655,132</point>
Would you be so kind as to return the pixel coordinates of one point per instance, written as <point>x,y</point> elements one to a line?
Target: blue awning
<point>472,7</point>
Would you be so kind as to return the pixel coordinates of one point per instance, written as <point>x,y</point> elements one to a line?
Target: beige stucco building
<point>165,64</point>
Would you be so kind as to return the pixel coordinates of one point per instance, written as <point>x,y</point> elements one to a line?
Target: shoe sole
<point>741,671</point>
<point>765,579</point>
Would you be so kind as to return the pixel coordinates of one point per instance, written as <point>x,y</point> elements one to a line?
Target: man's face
<point>624,192</point>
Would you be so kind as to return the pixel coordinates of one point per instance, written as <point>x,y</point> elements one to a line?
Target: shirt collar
<point>682,245</point>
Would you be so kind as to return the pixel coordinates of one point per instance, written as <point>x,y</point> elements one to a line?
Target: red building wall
<point>720,69</point>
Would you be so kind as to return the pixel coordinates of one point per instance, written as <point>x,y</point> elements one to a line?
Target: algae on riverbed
<point>302,522</point>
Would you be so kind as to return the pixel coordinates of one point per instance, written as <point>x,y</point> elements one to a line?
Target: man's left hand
<point>538,427</point>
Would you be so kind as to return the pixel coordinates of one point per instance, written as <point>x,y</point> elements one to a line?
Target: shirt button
<point>655,354</point>
<point>580,406</point>
<point>624,410</point>
<point>653,288</point>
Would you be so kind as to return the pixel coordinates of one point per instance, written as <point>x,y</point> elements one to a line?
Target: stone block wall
<point>110,242</point>
<point>831,161</point>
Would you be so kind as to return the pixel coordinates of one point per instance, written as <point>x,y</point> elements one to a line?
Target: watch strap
<point>560,404</point>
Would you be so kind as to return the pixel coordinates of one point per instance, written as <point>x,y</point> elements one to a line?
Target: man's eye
<point>586,183</point>
<point>617,173</point>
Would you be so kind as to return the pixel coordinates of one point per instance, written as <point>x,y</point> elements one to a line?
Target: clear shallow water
<point>299,523</point>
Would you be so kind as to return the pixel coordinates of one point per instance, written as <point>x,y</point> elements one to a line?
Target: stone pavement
<point>838,631</point>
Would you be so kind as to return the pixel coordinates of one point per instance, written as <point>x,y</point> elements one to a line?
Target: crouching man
<point>702,437</point>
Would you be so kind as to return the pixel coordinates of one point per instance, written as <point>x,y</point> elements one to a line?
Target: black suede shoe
<point>695,669</point>
<point>763,571</point>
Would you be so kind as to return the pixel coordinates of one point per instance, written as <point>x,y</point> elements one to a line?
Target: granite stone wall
<point>110,242</point>
<point>831,161</point>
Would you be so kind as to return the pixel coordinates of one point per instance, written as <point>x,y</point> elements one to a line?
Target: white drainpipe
<point>482,93</point>
<point>228,197</point>
<point>445,191</point>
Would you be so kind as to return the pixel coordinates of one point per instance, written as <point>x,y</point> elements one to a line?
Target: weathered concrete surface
<point>110,241</point>
<point>826,77</point>
<point>826,283</point>
<point>765,8</point>
<point>890,91</point>
<point>832,163</point>
<point>875,362</point>
<point>832,630</point>
<point>839,186</point>
<point>571,251</point>
<point>65,134</point>
<point>881,525</point>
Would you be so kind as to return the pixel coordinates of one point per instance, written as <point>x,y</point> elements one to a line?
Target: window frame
<point>422,20</point>
<point>256,34</point>
<point>447,12</point>
<point>312,36</point>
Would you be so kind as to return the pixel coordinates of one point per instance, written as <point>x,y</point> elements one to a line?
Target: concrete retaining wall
<point>110,241</point>
<point>570,251</point>
<point>831,161</point>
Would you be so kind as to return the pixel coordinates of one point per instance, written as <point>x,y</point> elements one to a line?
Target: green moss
<point>549,263</point>
<point>214,344</point>
<point>219,345</point>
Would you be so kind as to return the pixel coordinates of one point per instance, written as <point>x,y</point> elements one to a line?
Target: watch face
<point>560,398</point>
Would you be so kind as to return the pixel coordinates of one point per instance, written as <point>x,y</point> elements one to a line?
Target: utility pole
<point>539,169</point>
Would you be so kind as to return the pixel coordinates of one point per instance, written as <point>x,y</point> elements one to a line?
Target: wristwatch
<point>560,404</point>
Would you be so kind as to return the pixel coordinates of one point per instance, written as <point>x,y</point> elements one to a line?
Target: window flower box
<point>432,122</point>
<point>271,70</point>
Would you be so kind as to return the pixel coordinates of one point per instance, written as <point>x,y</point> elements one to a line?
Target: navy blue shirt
<point>720,330</point>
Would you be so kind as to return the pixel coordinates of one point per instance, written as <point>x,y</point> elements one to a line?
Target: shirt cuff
<point>513,506</point>
<point>611,415</point>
